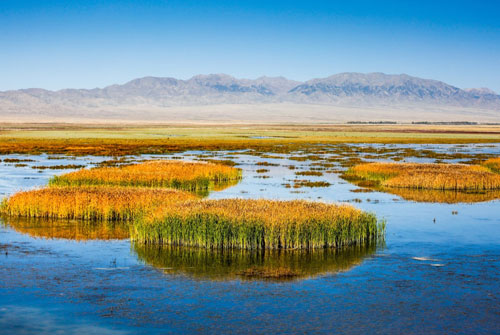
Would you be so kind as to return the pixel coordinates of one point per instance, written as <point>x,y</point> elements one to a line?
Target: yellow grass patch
<point>190,176</point>
<point>493,164</point>
<point>444,196</point>
<point>90,203</point>
<point>426,176</point>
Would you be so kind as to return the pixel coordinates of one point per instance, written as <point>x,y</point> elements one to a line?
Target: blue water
<point>437,272</point>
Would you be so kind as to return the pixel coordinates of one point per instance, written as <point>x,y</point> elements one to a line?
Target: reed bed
<point>426,176</point>
<point>90,143</point>
<point>257,224</point>
<point>90,203</point>
<point>190,176</point>
<point>493,164</point>
<point>444,196</point>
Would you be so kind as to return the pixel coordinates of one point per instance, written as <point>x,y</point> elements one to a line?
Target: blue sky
<point>86,44</point>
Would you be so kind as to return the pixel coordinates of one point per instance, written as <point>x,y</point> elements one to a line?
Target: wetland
<point>436,269</point>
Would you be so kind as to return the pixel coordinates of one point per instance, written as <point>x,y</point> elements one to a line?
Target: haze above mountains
<point>222,98</point>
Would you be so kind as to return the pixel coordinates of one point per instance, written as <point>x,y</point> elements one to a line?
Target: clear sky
<point>86,44</point>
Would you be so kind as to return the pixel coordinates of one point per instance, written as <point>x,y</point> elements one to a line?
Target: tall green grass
<point>257,224</point>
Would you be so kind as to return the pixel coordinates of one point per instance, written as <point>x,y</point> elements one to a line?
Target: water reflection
<point>68,229</point>
<point>274,265</point>
<point>216,187</point>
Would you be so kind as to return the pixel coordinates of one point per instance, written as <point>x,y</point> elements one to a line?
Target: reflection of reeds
<point>257,224</point>
<point>69,229</point>
<point>190,176</point>
<point>426,176</point>
<point>258,264</point>
<point>90,203</point>
<point>216,187</point>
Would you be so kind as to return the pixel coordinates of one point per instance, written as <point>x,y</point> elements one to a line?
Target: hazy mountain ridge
<point>221,88</point>
<point>344,90</point>
<point>379,87</point>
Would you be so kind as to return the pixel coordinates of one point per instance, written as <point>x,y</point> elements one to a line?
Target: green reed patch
<point>257,224</point>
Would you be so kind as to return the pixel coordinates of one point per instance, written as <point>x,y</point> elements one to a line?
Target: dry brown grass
<point>135,141</point>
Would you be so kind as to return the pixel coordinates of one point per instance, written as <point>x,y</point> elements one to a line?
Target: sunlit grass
<point>119,141</point>
<point>90,203</point>
<point>183,175</point>
<point>493,164</point>
<point>257,224</point>
<point>426,176</point>
<point>444,196</point>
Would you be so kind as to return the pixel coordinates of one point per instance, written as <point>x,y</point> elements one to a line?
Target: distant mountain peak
<point>481,91</point>
<point>342,90</point>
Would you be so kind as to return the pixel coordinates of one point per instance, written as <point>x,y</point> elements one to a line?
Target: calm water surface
<point>437,272</point>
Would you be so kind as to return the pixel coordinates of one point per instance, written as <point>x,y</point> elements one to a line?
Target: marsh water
<point>437,271</point>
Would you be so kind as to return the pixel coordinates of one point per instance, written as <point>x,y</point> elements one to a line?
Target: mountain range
<point>220,97</point>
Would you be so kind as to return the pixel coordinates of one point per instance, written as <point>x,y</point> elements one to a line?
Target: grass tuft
<point>190,176</point>
<point>257,224</point>
<point>493,164</point>
<point>446,196</point>
<point>458,177</point>
<point>90,203</point>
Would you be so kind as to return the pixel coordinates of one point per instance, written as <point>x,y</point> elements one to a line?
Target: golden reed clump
<point>426,176</point>
<point>189,176</point>
<point>173,217</point>
<point>90,203</point>
<point>493,164</point>
<point>444,196</point>
<point>257,224</point>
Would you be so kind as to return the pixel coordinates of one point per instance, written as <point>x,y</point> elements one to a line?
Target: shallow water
<point>437,272</point>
